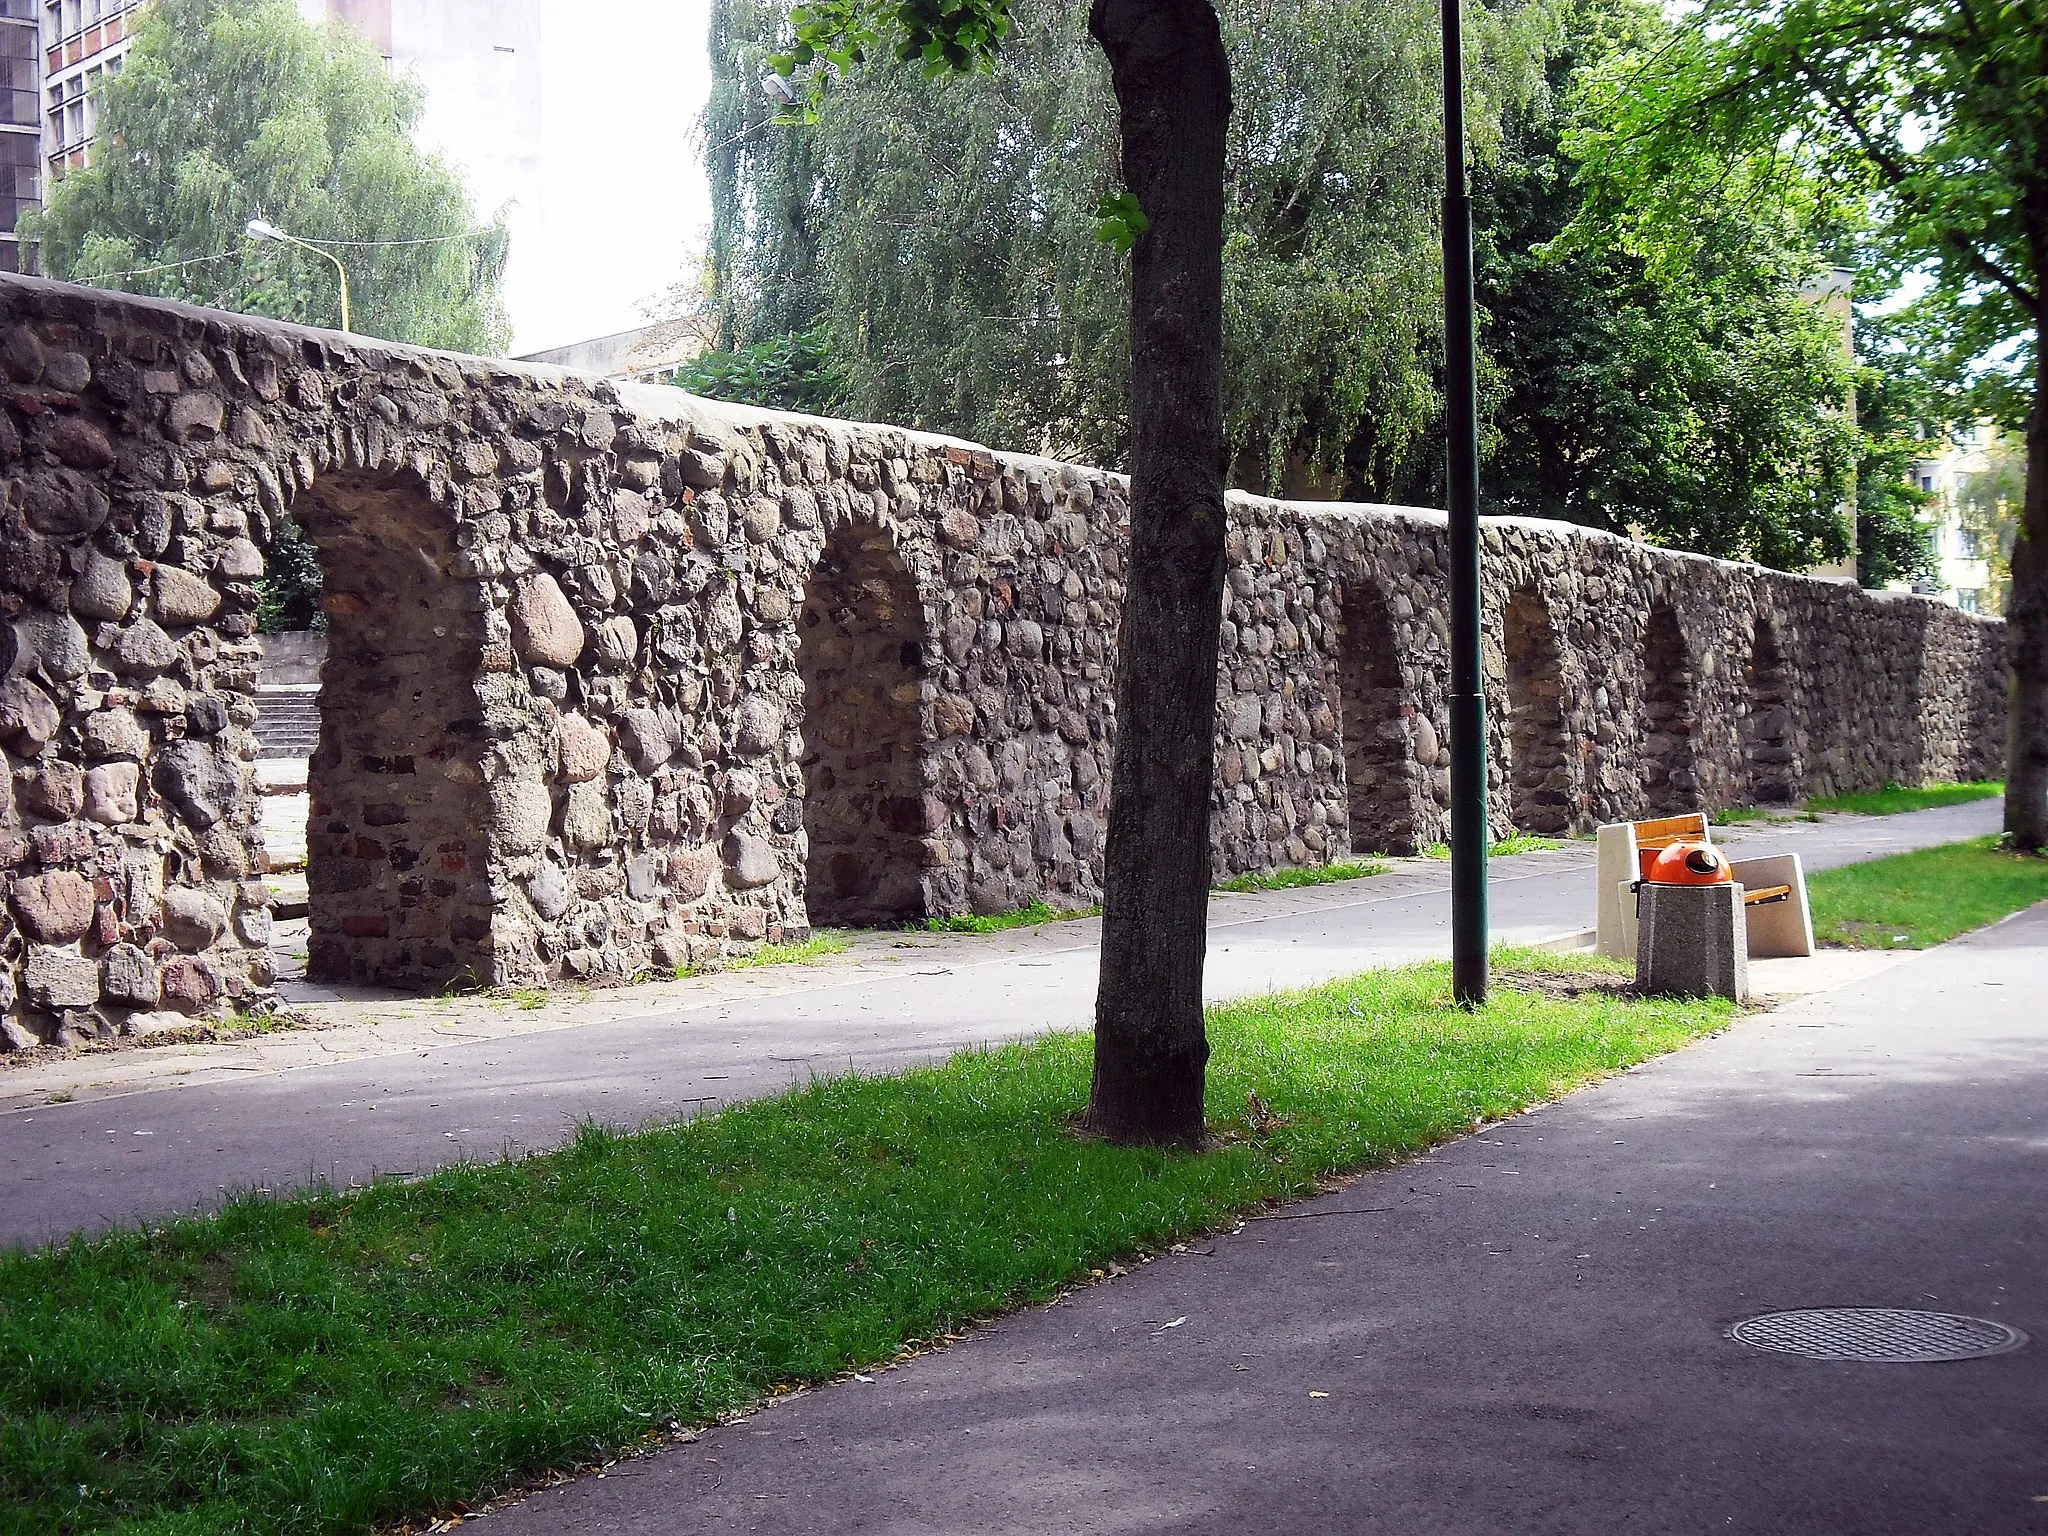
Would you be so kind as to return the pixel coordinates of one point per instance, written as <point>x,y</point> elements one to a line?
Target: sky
<point>624,201</point>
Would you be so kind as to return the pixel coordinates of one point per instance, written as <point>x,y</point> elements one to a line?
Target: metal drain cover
<point>1889,1334</point>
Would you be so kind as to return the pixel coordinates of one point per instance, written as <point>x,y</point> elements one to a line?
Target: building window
<point>20,75</point>
<point>1970,599</point>
<point>1927,484</point>
<point>20,162</point>
<point>1968,544</point>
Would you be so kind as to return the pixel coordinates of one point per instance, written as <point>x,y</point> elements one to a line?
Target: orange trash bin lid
<point>1689,864</point>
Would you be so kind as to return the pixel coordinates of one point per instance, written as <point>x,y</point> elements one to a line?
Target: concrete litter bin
<point>1691,941</point>
<point>1692,935</point>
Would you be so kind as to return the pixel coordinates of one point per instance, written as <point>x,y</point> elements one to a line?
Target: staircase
<point>287,720</point>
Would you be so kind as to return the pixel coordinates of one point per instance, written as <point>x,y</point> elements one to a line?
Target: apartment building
<point>1962,528</point>
<point>21,123</point>
<point>84,42</point>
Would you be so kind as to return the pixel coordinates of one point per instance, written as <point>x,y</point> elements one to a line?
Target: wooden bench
<point>1775,912</point>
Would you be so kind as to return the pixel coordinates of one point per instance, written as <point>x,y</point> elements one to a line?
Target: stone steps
<point>287,721</point>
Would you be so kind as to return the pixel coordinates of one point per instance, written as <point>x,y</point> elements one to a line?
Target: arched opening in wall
<point>1767,729</point>
<point>1379,767</point>
<point>1668,719</point>
<point>399,815</point>
<point>860,649</point>
<point>1539,770</point>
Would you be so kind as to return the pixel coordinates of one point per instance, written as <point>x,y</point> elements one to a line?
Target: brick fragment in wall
<point>853,672</point>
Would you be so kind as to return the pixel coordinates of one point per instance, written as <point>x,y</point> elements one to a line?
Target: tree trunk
<point>1172,82</point>
<point>2026,624</point>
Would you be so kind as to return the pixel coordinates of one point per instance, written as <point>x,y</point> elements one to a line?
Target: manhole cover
<point>1877,1333</point>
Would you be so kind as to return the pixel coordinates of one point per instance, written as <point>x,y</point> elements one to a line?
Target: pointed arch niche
<point>1379,766</point>
<point>1667,718</point>
<point>1767,746</point>
<point>860,650</point>
<point>1538,764</point>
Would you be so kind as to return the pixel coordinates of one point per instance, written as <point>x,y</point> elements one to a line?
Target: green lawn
<point>347,1362</point>
<point>1314,874</point>
<point>1914,900</point>
<point>1505,848</point>
<point>822,943</point>
<point>1893,799</point>
<point>995,922</point>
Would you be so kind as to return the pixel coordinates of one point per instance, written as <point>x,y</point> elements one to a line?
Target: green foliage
<point>1502,848</point>
<point>1897,412</point>
<point>1988,503</point>
<point>1669,376</point>
<point>943,37</point>
<point>290,596</point>
<point>1119,221</point>
<point>1927,897</point>
<point>1934,114</point>
<point>350,1362</point>
<point>947,235</point>
<point>233,109</point>
<point>796,372</point>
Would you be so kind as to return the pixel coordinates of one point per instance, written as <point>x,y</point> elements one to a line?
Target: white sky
<point>624,198</point>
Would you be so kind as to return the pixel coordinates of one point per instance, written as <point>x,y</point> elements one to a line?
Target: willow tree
<point>233,109</point>
<point>946,236</point>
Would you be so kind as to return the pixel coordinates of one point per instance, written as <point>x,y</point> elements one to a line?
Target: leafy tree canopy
<point>1936,111</point>
<point>1670,369</point>
<point>1933,110</point>
<point>947,237</point>
<point>233,109</point>
<point>1672,377</point>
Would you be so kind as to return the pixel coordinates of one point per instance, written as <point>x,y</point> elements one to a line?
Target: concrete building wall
<point>620,678</point>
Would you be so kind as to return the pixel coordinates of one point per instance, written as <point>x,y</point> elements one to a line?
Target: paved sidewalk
<point>402,1085</point>
<point>1522,1332</point>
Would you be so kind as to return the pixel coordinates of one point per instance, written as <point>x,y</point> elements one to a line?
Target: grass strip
<point>1737,815</point>
<point>1915,900</point>
<point>1894,798</point>
<point>996,922</point>
<point>1501,848</point>
<point>341,1362</point>
<point>822,942</point>
<point>1314,874</point>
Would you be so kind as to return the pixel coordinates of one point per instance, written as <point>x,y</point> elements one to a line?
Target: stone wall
<point>619,678</point>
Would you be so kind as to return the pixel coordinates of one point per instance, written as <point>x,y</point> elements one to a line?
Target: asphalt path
<point>1525,1331</point>
<point>101,1161</point>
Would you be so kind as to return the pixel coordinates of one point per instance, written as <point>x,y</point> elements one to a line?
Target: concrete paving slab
<point>395,1085</point>
<point>1524,1331</point>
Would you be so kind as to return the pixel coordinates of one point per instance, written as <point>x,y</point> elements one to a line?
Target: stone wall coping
<point>661,402</point>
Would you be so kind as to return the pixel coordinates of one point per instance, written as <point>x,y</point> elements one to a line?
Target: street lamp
<point>263,229</point>
<point>1461,406</point>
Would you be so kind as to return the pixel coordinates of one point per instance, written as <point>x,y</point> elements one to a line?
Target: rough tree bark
<point>1172,81</point>
<point>2026,613</point>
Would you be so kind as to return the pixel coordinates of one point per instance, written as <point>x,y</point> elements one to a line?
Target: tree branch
<point>1899,175</point>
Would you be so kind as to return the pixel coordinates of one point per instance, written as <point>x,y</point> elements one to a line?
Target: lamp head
<point>262,229</point>
<point>779,90</point>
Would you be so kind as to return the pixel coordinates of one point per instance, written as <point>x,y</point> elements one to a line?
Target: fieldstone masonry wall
<point>619,678</point>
